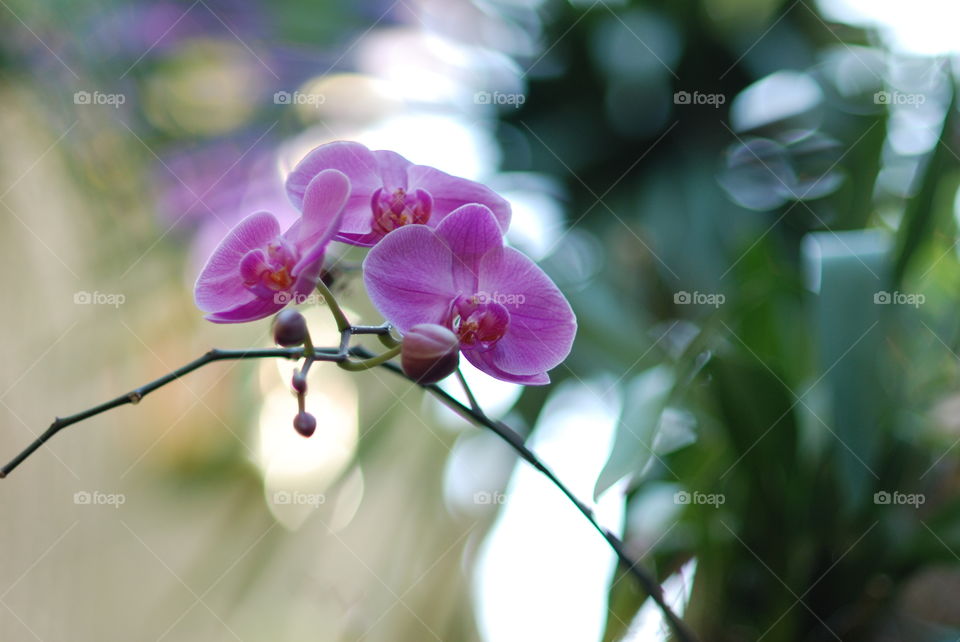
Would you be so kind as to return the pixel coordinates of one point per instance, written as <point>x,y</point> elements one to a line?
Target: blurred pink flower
<point>390,192</point>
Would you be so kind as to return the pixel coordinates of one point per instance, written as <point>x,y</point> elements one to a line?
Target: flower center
<point>398,208</point>
<point>266,271</point>
<point>478,324</point>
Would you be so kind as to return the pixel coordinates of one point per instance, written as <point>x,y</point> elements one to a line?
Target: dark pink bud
<point>290,328</point>
<point>430,353</point>
<point>305,423</point>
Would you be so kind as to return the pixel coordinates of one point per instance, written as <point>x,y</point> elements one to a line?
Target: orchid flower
<point>511,320</point>
<point>256,271</point>
<point>389,192</point>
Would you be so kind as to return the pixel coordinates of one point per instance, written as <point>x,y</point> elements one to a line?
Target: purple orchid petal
<point>353,159</point>
<point>255,309</point>
<point>409,278</point>
<point>484,361</point>
<point>393,170</point>
<point>359,165</point>
<point>323,205</point>
<point>450,192</point>
<point>389,192</point>
<point>307,280</point>
<point>368,239</point>
<point>542,324</point>
<point>219,286</point>
<point>323,201</point>
<point>470,232</point>
<point>253,265</point>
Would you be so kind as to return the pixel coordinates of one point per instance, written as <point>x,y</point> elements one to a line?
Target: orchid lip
<point>269,270</point>
<point>478,324</point>
<point>391,210</point>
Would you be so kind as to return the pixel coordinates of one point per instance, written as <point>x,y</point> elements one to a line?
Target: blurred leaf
<point>624,600</point>
<point>862,161</point>
<point>919,216</point>
<point>633,445</point>
<point>768,506</point>
<point>847,270</point>
<point>758,413</point>
<point>674,432</point>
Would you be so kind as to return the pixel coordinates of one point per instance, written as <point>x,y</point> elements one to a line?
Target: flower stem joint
<point>299,382</point>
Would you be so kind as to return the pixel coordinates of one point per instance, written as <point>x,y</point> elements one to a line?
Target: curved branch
<point>134,396</point>
<point>517,442</point>
<point>474,414</point>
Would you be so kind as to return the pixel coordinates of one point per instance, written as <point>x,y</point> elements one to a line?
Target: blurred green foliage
<point>805,387</point>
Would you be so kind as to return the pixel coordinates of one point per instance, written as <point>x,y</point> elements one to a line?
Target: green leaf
<point>635,439</point>
<point>847,272</point>
<point>920,213</point>
<point>625,599</point>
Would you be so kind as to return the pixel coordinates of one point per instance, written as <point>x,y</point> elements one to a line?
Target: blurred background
<point>752,205</point>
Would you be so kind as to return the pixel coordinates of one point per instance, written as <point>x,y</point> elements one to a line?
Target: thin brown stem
<point>134,396</point>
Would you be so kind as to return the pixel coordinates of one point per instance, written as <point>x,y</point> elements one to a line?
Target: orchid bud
<point>305,423</point>
<point>429,353</point>
<point>290,329</point>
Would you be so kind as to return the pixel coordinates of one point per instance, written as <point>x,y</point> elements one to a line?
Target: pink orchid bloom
<point>512,321</point>
<point>256,271</point>
<point>390,192</point>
